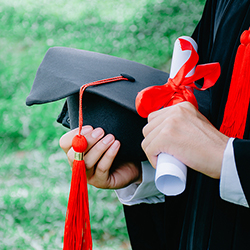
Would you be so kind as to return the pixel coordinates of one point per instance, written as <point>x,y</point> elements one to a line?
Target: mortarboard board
<point>111,106</point>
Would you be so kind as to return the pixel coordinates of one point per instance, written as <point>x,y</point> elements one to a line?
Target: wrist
<point>138,181</point>
<point>217,157</point>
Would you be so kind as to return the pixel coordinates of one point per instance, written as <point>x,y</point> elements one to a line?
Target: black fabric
<point>147,221</point>
<point>128,132</point>
<point>63,117</point>
<point>64,70</point>
<point>242,159</point>
<point>206,221</point>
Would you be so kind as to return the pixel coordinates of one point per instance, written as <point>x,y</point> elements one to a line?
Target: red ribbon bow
<point>179,88</point>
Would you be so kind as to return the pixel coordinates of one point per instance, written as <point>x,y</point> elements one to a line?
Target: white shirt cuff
<point>230,186</point>
<point>146,192</point>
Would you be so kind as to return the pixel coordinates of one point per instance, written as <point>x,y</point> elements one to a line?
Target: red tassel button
<point>79,143</point>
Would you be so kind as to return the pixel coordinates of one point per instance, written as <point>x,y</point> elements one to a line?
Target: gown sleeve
<point>242,160</point>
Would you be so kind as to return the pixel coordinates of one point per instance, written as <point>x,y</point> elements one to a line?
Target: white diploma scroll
<point>170,176</point>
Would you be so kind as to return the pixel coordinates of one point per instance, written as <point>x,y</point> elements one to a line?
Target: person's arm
<point>230,185</point>
<point>182,131</point>
<point>146,192</point>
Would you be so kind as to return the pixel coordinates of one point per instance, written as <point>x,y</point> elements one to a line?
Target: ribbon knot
<point>175,86</point>
<point>180,88</point>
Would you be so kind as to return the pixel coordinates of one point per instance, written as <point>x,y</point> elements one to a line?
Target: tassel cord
<point>108,80</point>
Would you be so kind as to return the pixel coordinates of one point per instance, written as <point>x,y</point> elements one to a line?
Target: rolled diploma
<point>170,176</point>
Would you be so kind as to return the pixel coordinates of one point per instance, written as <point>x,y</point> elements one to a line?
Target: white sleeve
<point>146,192</point>
<point>230,186</point>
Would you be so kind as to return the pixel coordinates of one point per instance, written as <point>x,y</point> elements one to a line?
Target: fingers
<point>173,113</point>
<point>172,109</point>
<point>99,157</point>
<point>100,176</point>
<point>96,152</point>
<point>183,132</point>
<point>107,160</point>
<point>92,136</point>
<point>164,126</point>
<point>124,174</point>
<point>65,141</point>
<point>71,155</point>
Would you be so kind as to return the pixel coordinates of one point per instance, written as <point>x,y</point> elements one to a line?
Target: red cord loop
<point>123,77</point>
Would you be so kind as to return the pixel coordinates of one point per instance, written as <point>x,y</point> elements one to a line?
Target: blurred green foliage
<point>27,31</point>
<point>34,175</point>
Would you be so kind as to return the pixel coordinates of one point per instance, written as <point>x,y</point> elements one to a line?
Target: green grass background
<point>34,173</point>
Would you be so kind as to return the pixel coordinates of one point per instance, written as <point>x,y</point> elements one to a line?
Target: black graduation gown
<point>199,218</point>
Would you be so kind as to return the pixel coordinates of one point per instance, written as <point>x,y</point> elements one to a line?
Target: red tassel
<point>236,109</point>
<point>77,233</point>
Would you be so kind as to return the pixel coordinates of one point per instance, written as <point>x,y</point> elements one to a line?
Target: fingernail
<point>97,133</point>
<point>86,129</point>
<point>115,145</point>
<point>108,139</point>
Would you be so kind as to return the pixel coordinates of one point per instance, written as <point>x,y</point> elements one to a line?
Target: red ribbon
<point>179,88</point>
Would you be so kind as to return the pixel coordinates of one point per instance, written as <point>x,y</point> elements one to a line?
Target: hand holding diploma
<point>171,173</point>
<point>170,176</point>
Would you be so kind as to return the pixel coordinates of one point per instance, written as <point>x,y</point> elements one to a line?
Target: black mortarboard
<point>110,106</point>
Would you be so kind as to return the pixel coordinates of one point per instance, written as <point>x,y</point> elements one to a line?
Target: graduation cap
<point>64,73</point>
<point>110,106</point>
